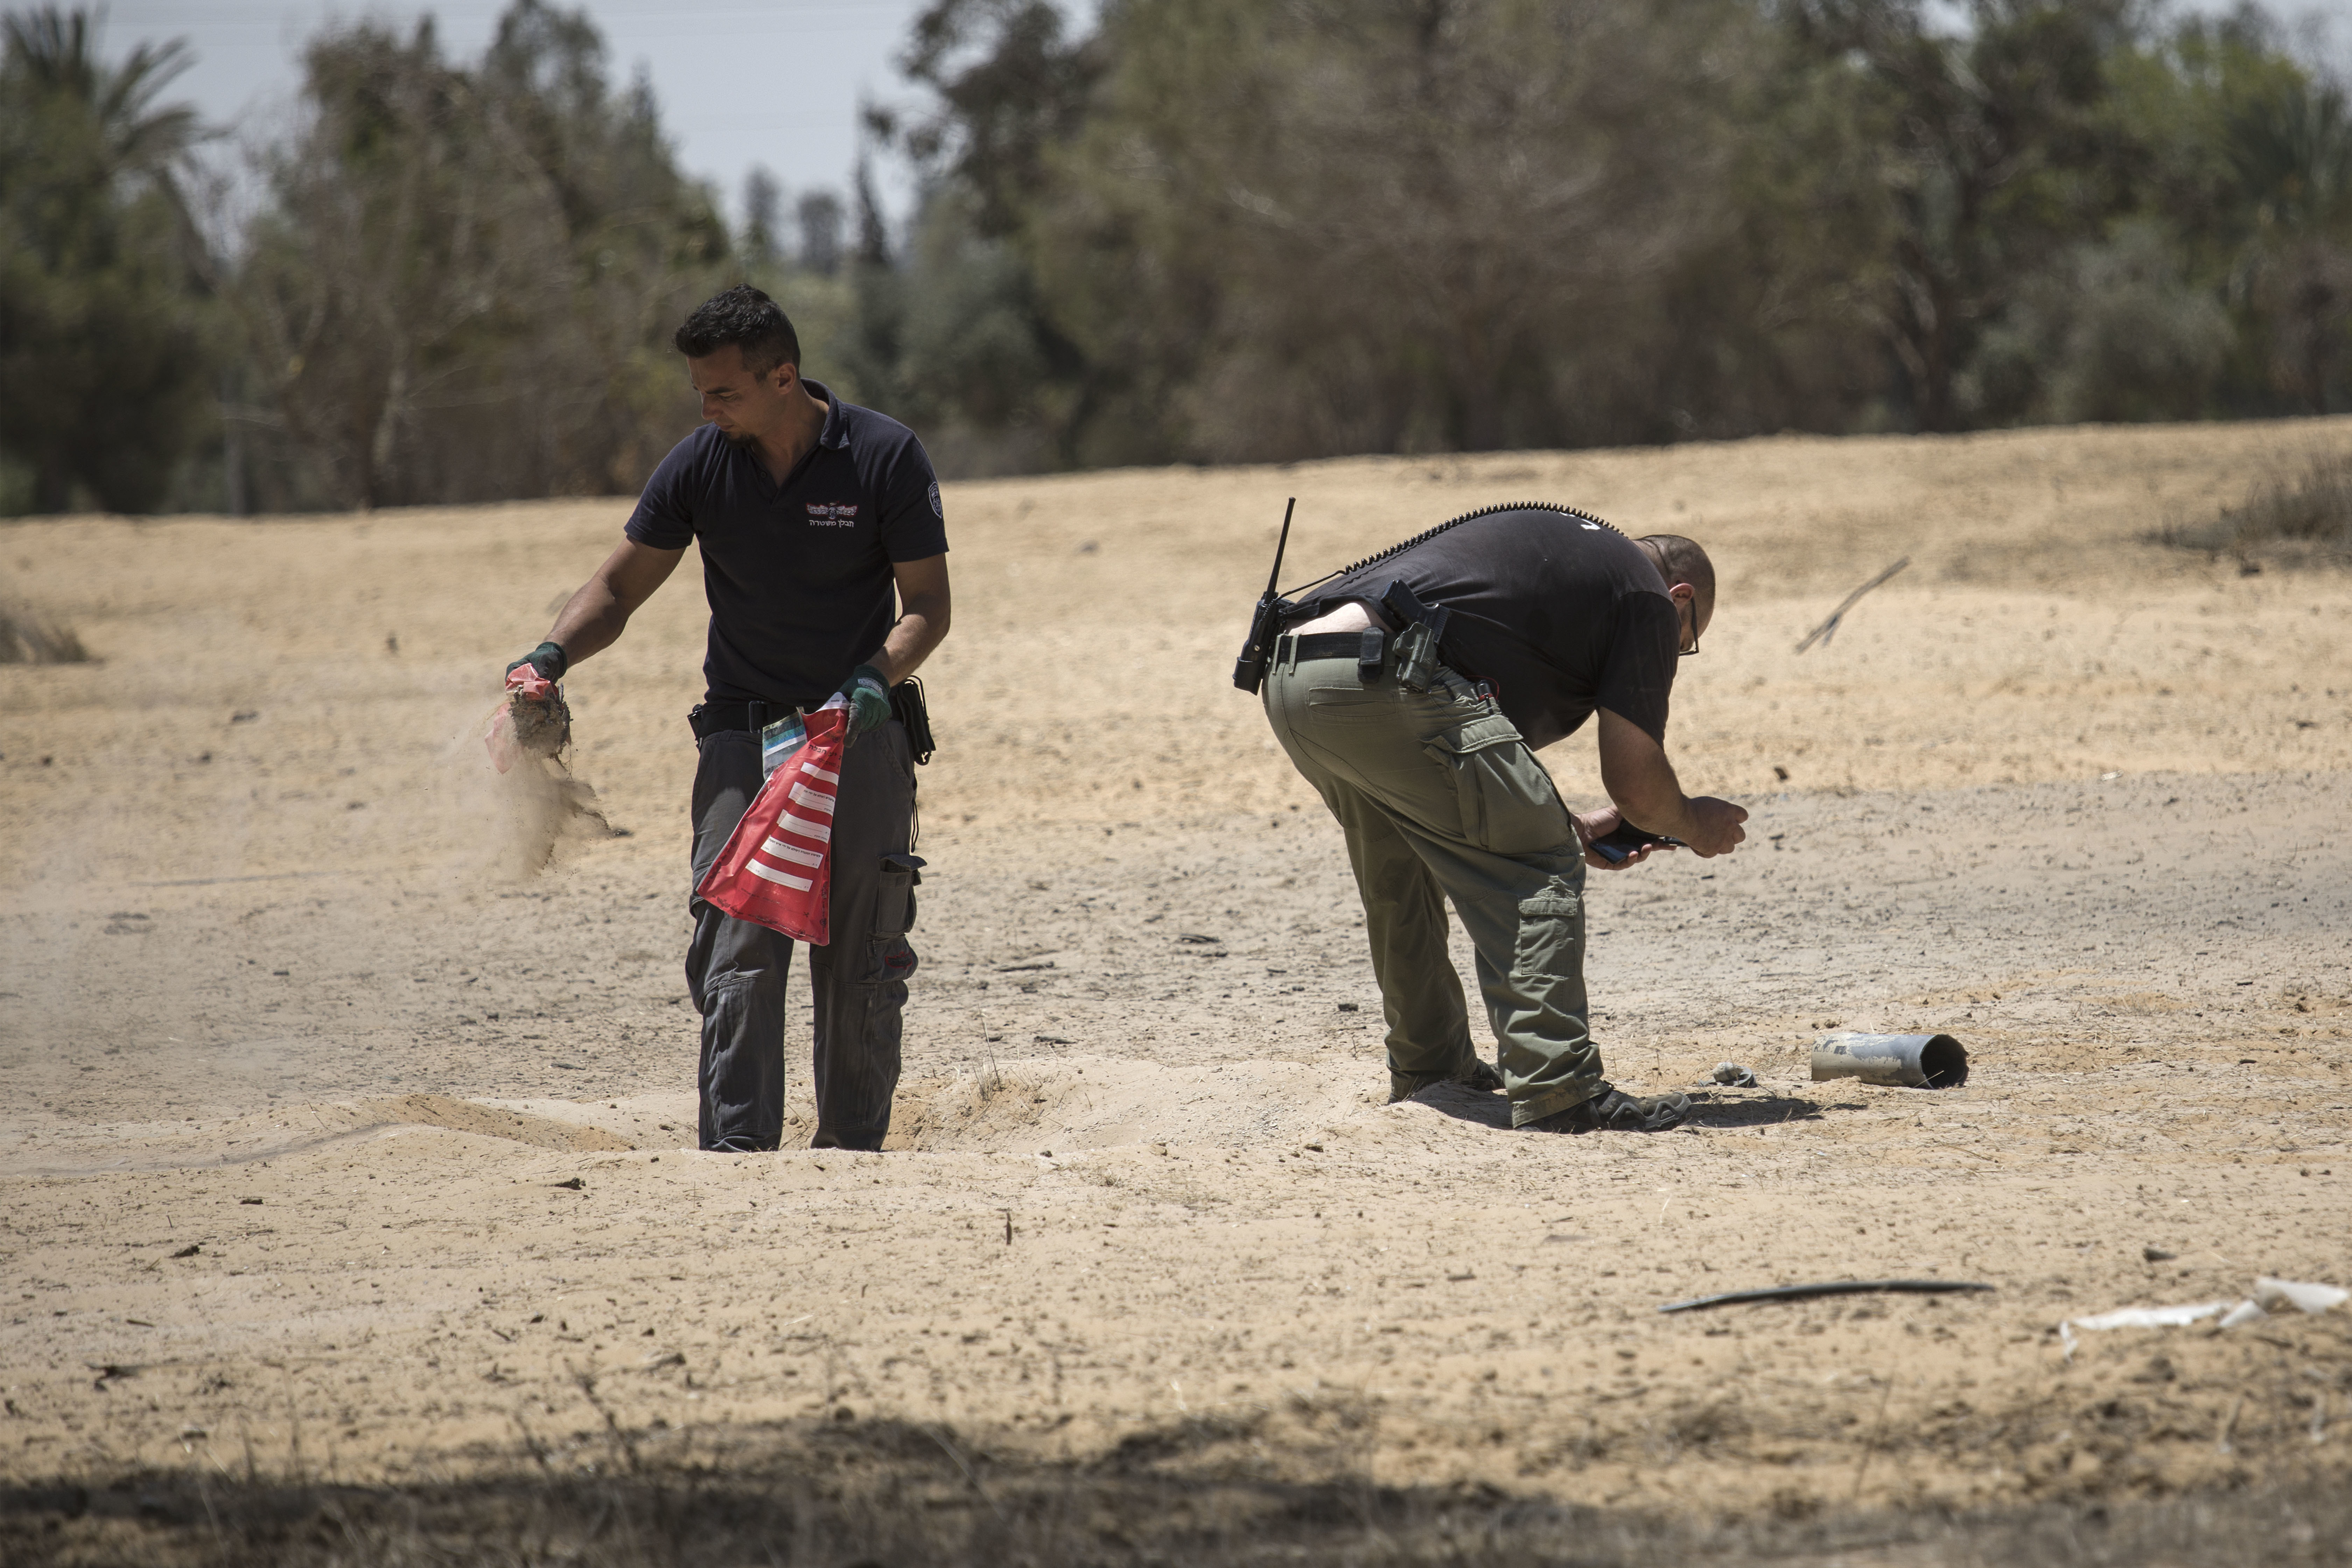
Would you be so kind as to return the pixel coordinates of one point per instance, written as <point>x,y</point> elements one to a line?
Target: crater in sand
<point>268,1136</point>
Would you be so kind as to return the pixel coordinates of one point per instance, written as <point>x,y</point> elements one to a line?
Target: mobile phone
<point>1619,842</point>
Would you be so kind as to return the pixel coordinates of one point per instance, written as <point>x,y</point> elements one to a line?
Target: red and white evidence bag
<point>777,867</point>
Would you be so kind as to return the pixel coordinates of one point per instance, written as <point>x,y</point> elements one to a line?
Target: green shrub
<point>27,638</point>
<point>2304,517</point>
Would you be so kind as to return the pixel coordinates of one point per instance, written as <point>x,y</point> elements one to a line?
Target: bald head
<point>1680,560</point>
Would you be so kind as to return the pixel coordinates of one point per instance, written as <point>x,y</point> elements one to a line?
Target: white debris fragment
<point>2151,1317</point>
<point>2270,1294</point>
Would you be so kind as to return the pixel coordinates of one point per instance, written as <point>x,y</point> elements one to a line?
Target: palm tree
<point>97,305</point>
<point>52,52</point>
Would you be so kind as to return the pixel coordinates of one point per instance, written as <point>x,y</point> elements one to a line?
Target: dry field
<point>345,1134</point>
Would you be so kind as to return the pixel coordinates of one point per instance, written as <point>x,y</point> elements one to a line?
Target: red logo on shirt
<point>833,514</point>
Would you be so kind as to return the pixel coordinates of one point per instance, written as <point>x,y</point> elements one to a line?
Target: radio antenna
<point>1249,669</point>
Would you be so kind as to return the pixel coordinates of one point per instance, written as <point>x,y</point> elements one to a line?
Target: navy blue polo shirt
<point>798,575</point>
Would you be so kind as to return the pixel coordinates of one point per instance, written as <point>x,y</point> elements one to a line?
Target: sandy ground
<point>346,1112</point>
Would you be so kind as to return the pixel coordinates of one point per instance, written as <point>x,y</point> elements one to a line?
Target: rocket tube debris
<point>1906,1061</point>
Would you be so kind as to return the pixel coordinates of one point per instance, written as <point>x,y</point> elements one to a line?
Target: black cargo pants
<point>735,970</point>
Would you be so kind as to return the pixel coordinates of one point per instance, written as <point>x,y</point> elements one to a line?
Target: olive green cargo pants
<point>1440,799</point>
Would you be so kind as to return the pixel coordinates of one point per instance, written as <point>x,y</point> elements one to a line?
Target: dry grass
<point>887,1494</point>
<point>28,638</point>
<point>2297,519</point>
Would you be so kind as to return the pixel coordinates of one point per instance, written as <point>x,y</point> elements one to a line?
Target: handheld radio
<point>1249,670</point>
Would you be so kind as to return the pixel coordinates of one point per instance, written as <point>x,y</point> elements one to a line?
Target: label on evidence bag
<point>779,741</point>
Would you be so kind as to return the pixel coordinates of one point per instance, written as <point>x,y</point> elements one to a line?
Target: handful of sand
<point>532,719</point>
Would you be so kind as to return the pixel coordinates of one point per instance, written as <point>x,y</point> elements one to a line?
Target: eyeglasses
<point>1691,651</point>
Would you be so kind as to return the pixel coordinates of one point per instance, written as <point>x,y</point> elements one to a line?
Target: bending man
<point>1411,690</point>
<point>811,514</point>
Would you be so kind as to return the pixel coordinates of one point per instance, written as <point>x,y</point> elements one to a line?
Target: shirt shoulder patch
<point>936,511</point>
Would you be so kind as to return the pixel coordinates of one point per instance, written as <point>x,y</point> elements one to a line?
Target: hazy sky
<point>740,81</point>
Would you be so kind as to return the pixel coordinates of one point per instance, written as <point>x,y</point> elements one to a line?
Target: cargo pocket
<point>1508,804</point>
<point>1551,938</point>
<point>893,959</point>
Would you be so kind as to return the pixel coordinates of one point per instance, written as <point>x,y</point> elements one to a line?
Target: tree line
<point>1194,230</point>
<point>444,282</point>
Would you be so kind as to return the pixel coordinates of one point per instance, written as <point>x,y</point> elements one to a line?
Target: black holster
<point>1421,632</point>
<point>906,706</point>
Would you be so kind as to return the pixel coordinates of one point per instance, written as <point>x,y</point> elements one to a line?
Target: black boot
<point>1613,1110</point>
<point>1478,1076</point>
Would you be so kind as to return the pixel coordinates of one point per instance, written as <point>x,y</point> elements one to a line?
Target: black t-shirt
<point>1559,613</point>
<point>798,575</point>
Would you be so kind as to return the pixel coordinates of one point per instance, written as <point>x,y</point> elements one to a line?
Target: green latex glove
<point>549,660</point>
<point>868,699</point>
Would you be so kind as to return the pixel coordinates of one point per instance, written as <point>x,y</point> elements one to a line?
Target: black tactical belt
<point>906,706</point>
<point>1370,649</point>
<point>717,717</point>
<point>1367,647</point>
<point>1320,644</point>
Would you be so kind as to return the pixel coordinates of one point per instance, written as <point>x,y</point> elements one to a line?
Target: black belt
<point>1320,644</point>
<point>906,706</point>
<point>1367,648</point>
<point>718,717</point>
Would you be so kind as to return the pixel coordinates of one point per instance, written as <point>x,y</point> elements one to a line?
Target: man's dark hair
<point>746,318</point>
<point>1683,561</point>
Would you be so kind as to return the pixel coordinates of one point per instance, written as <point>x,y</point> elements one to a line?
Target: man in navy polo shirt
<point>812,515</point>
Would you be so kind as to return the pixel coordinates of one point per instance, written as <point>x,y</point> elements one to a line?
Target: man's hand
<point>1599,823</point>
<point>868,699</point>
<point>547,659</point>
<point>1714,827</point>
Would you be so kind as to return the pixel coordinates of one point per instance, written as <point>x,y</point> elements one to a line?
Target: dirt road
<point>347,1124</point>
